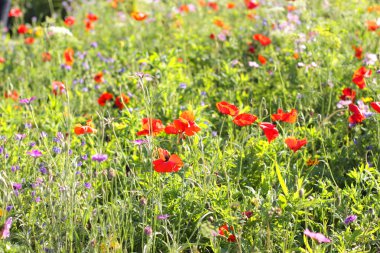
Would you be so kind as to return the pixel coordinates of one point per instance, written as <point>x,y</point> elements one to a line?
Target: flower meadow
<point>191,126</point>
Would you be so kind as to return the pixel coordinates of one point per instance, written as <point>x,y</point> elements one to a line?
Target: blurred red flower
<point>295,144</point>
<point>69,21</point>
<point>376,106</point>
<point>227,108</point>
<point>270,130</point>
<point>251,4</point>
<point>92,17</point>
<point>244,119</point>
<point>166,162</point>
<point>289,117</point>
<point>98,78</point>
<point>68,56</point>
<point>263,40</point>
<point>262,59</point>
<point>348,94</point>
<point>89,128</point>
<point>213,5</point>
<point>29,41</point>
<point>139,16</point>
<point>227,231</point>
<point>358,52</point>
<point>151,127</point>
<point>104,98</point>
<point>372,25</point>
<point>184,125</point>
<point>120,100</point>
<point>58,88</point>
<point>357,116</point>
<point>359,75</point>
<point>46,56</point>
<point>230,5</point>
<point>12,95</point>
<point>22,29</point>
<point>15,13</point>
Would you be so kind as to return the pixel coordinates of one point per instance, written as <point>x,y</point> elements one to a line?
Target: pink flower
<point>5,231</point>
<point>316,236</point>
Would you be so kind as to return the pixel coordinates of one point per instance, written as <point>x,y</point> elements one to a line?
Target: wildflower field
<point>191,126</point>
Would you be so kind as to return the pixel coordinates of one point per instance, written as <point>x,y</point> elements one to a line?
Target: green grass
<point>227,169</point>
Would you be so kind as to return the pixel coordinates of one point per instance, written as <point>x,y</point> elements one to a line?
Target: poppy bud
<point>301,193</point>
<point>111,173</point>
<point>143,201</point>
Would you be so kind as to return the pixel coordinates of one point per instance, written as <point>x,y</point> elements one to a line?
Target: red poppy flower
<point>184,125</point>
<point>227,108</point>
<point>262,59</point>
<point>270,130</point>
<point>230,5</point>
<point>87,129</point>
<point>68,56</point>
<point>291,8</point>
<point>184,8</point>
<point>151,127</point>
<point>357,115</point>
<point>213,5</point>
<point>139,16</point>
<point>263,40</point>
<point>227,232</point>
<point>15,13</point>
<point>119,102</point>
<point>247,214</point>
<point>12,95</point>
<point>289,117</point>
<point>22,29</point>
<point>167,163</point>
<point>69,21</point>
<point>221,24</point>
<point>2,60</point>
<point>348,94</point>
<point>89,25</point>
<point>58,87</point>
<point>251,4</point>
<point>251,48</point>
<point>104,98</point>
<point>244,119</point>
<point>359,75</point>
<point>98,78</point>
<point>92,17</point>
<point>46,56</point>
<point>212,36</point>
<point>372,25</point>
<point>358,52</point>
<point>295,144</point>
<point>29,41</point>
<point>376,106</point>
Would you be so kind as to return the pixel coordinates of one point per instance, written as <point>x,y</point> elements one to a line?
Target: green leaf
<point>281,180</point>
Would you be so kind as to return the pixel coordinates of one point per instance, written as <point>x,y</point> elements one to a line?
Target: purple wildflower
<point>99,157</point>
<point>87,185</point>
<point>20,137</point>
<point>5,231</point>
<point>350,218</point>
<point>316,236</point>
<point>9,208</point>
<point>162,216</point>
<point>182,85</point>
<point>56,150</point>
<point>17,186</point>
<point>27,100</point>
<point>148,230</point>
<point>139,142</point>
<point>34,153</point>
